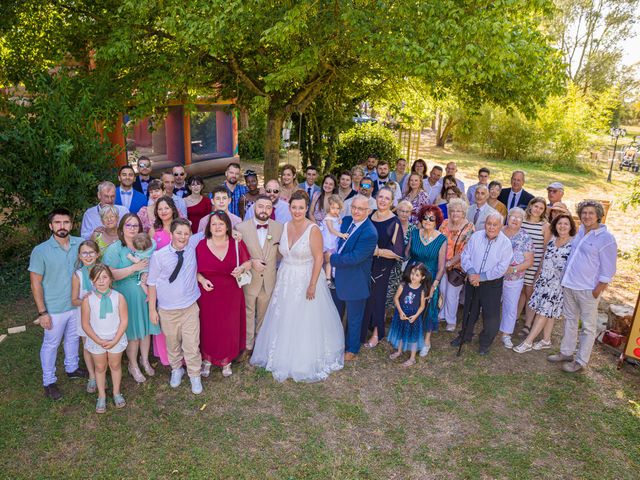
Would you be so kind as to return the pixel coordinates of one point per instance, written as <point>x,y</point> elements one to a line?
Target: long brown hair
<point>157,222</point>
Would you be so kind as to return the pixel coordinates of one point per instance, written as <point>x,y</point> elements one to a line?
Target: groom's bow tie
<point>258,226</point>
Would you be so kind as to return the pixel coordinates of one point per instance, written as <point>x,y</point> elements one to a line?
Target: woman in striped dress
<point>535,226</point>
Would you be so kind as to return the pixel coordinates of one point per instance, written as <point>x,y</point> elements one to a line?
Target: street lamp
<point>615,134</point>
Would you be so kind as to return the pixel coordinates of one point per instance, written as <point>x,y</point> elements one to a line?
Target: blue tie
<point>126,193</point>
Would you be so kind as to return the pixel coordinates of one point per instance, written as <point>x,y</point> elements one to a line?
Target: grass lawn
<point>501,416</point>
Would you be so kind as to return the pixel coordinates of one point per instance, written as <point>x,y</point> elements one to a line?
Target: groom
<point>261,236</point>
<point>352,263</point>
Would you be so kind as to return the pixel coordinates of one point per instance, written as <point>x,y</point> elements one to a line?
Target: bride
<point>302,336</point>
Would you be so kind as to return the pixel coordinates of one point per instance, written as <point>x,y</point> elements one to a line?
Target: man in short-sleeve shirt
<point>51,268</point>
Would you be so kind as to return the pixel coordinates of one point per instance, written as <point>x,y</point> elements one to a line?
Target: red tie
<point>265,226</point>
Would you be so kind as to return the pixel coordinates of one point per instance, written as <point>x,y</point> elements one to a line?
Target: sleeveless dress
<point>329,240</point>
<point>534,230</point>
<point>547,298</point>
<point>105,328</point>
<point>410,334</point>
<point>196,212</point>
<point>299,339</point>
<point>84,289</point>
<point>428,254</point>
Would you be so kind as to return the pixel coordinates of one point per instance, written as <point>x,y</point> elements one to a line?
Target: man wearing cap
<point>555,192</point>
<point>516,196</point>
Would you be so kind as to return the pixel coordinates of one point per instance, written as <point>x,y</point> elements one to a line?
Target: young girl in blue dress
<point>406,332</point>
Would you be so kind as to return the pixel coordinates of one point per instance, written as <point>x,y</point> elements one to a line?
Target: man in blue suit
<point>126,196</point>
<point>352,263</point>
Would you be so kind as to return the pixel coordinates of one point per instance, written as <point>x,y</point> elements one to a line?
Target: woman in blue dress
<point>428,246</point>
<point>125,273</point>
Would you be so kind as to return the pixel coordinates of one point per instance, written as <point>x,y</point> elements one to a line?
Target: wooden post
<point>409,146</point>
<point>418,143</point>
<point>186,132</point>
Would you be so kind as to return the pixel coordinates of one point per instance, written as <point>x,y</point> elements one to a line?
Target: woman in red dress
<point>222,307</point>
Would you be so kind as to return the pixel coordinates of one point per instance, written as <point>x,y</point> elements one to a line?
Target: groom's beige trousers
<point>256,307</point>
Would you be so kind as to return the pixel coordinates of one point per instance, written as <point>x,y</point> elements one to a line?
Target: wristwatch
<point>44,312</point>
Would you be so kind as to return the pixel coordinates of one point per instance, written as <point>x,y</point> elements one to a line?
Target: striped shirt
<point>534,230</point>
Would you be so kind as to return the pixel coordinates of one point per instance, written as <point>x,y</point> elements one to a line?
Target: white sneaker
<point>522,348</point>
<point>451,327</point>
<point>176,377</point>
<point>542,345</point>
<point>205,370</point>
<point>506,341</point>
<point>425,350</point>
<point>226,370</point>
<point>196,385</point>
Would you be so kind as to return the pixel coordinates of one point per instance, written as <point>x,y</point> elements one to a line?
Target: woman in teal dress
<point>428,246</point>
<point>125,273</point>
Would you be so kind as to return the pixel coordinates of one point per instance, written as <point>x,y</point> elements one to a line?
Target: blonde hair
<point>335,200</point>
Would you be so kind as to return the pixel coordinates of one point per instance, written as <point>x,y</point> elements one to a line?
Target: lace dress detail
<point>299,339</point>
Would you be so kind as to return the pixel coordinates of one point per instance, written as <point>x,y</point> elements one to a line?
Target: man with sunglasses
<point>366,190</point>
<point>280,211</point>
<point>180,188</point>
<point>141,184</point>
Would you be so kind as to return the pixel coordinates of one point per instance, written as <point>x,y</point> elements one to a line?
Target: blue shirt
<point>56,265</point>
<point>239,191</point>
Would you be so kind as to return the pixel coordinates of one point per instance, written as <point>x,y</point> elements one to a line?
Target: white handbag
<point>244,278</point>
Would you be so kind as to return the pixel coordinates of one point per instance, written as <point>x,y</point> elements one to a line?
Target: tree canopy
<point>288,52</point>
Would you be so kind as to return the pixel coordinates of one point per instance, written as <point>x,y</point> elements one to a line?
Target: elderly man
<point>480,210</point>
<point>555,192</point>
<point>51,267</point>
<point>485,259</point>
<point>352,262</point>
<point>126,195</point>
<point>450,170</point>
<point>236,191</point>
<point>180,188</point>
<point>91,218</point>
<point>483,179</point>
<point>383,179</point>
<point>589,271</point>
<point>280,211</point>
<point>433,185</point>
<point>366,190</point>
<point>168,180</point>
<point>144,175</point>
<point>516,196</point>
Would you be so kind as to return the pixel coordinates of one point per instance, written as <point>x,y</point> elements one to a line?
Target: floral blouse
<point>418,202</point>
<point>522,244</point>
<point>452,237</point>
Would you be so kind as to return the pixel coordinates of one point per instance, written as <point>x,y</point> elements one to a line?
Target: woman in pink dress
<point>222,307</point>
<point>164,212</point>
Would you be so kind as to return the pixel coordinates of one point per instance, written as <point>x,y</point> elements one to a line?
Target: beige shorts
<point>93,347</point>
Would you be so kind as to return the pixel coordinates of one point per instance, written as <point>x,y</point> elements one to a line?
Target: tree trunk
<point>244,118</point>
<point>441,140</point>
<point>272,139</point>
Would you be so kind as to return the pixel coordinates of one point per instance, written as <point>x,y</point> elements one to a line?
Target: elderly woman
<point>125,273</point>
<point>198,205</point>
<point>389,249</point>
<point>222,306</point>
<point>450,193</point>
<point>547,299</point>
<point>495,187</point>
<point>403,212</point>
<point>534,224</point>
<point>415,194</point>
<point>521,260</point>
<point>320,202</point>
<point>458,231</point>
<point>287,182</point>
<point>429,247</point>
<point>108,232</point>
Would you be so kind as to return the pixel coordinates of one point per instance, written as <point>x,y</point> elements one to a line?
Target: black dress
<point>390,237</point>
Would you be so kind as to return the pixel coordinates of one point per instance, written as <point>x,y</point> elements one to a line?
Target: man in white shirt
<point>280,211</point>
<point>485,259</point>
<point>126,195</point>
<point>168,180</point>
<point>91,218</point>
<point>383,181</point>
<point>181,189</point>
<point>483,179</point>
<point>433,186</point>
<point>480,210</point>
<point>589,271</point>
<point>173,285</point>
<point>450,170</point>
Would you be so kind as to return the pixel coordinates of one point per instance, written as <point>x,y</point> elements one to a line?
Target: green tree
<point>290,52</point>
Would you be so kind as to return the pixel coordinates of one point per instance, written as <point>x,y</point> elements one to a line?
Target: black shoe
<point>78,373</point>
<point>51,391</point>
<point>456,342</point>
<point>483,351</point>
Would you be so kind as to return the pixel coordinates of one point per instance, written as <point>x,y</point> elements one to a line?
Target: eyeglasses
<point>359,209</point>
<point>429,218</point>
<point>131,225</point>
<point>272,191</point>
<point>87,254</point>
<point>179,174</point>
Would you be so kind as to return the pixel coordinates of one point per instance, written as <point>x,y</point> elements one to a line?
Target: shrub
<point>50,153</point>
<point>360,141</point>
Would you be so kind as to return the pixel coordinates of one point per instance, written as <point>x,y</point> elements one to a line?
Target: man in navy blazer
<point>141,183</point>
<point>516,196</point>
<point>352,263</point>
<point>309,185</point>
<point>126,196</point>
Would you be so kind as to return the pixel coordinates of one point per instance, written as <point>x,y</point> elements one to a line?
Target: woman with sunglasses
<point>429,247</point>
<point>125,272</point>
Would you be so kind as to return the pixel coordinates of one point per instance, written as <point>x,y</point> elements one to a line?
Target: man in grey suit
<point>479,211</point>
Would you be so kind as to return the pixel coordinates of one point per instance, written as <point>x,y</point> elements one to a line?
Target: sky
<point>632,47</point>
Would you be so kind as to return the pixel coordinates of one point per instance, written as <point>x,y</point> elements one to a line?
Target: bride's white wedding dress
<point>299,339</point>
